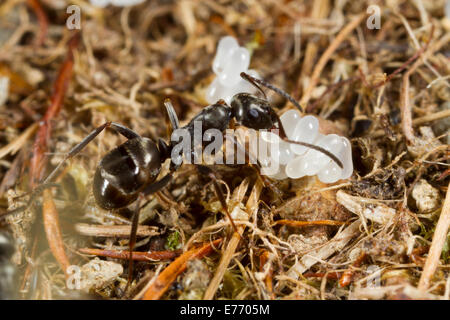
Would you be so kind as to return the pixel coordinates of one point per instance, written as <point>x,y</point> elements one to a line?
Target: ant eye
<point>253,113</point>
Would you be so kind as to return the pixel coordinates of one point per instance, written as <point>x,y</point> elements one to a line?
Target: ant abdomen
<point>125,171</point>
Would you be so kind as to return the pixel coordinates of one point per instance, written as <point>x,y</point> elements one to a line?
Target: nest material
<point>387,90</point>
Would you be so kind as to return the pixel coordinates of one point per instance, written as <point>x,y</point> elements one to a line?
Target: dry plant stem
<point>418,121</point>
<point>439,237</point>
<point>337,243</point>
<point>59,90</point>
<point>293,223</point>
<point>407,63</point>
<point>53,230</point>
<point>406,110</point>
<point>169,274</point>
<point>431,117</point>
<point>320,10</point>
<point>327,55</point>
<point>49,212</point>
<point>19,142</point>
<point>328,275</point>
<point>268,279</point>
<point>405,106</point>
<point>96,230</point>
<point>347,276</point>
<point>42,19</point>
<point>136,255</point>
<point>252,204</point>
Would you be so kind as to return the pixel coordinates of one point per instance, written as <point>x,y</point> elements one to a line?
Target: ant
<point>131,169</point>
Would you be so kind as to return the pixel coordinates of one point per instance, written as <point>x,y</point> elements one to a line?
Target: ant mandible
<point>132,168</point>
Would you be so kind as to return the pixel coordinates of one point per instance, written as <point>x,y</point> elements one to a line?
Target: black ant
<point>131,169</point>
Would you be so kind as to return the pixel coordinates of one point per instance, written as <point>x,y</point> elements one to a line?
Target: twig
<point>42,19</point>
<point>59,91</point>
<point>418,121</point>
<point>405,107</point>
<point>53,230</point>
<point>328,275</point>
<point>402,67</point>
<point>232,245</point>
<point>113,231</point>
<point>327,55</point>
<point>347,276</point>
<point>136,255</point>
<point>18,143</point>
<point>49,212</point>
<point>165,278</point>
<point>439,238</point>
<point>293,223</point>
<point>335,244</point>
<point>406,113</point>
<point>330,89</point>
<point>263,259</point>
<point>320,10</point>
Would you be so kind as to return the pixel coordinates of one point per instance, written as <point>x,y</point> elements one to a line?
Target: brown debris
<point>387,90</point>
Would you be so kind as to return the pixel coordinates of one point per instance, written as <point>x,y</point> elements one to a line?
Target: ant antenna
<point>282,93</point>
<point>171,114</point>
<point>252,80</point>
<point>305,144</point>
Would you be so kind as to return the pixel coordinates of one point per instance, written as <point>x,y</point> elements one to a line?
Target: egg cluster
<point>229,62</point>
<point>280,159</point>
<point>295,161</point>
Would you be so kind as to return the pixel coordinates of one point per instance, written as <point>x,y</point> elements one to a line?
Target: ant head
<point>253,112</point>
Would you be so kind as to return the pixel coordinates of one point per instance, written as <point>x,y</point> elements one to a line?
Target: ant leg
<point>255,164</point>
<point>152,188</point>
<point>126,132</point>
<point>207,171</point>
<point>132,243</point>
<point>158,185</point>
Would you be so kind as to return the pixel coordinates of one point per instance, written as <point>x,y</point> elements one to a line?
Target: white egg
<point>294,168</point>
<point>306,130</point>
<point>237,63</point>
<point>330,173</point>
<point>281,152</point>
<point>347,159</point>
<point>290,119</point>
<point>225,48</point>
<point>269,137</point>
<point>314,160</point>
<point>272,168</point>
<point>278,158</point>
<point>213,91</point>
<point>281,174</point>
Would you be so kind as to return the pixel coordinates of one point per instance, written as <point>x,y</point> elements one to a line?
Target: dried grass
<point>387,90</point>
